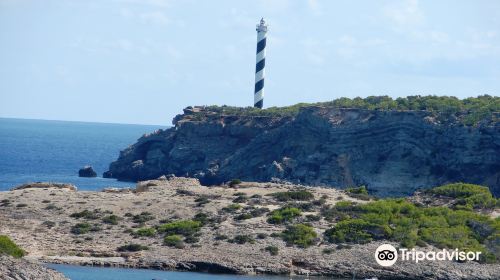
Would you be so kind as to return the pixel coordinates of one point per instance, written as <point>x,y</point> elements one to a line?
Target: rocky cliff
<point>391,152</point>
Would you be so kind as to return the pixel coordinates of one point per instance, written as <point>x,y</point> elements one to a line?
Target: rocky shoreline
<point>16,269</point>
<point>42,220</point>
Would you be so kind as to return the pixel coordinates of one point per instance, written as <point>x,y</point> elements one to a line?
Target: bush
<point>468,111</point>
<point>173,241</point>
<point>8,247</point>
<point>132,248</point>
<point>182,227</point>
<point>232,208</point>
<point>234,182</point>
<point>86,214</point>
<point>355,231</point>
<point>468,196</point>
<point>21,205</point>
<point>142,217</point>
<point>283,215</point>
<point>404,222</point>
<point>145,232</point>
<point>202,200</point>
<point>273,250</point>
<point>359,193</point>
<point>111,219</point>
<point>301,235</point>
<point>81,228</point>
<point>293,195</point>
<point>242,239</point>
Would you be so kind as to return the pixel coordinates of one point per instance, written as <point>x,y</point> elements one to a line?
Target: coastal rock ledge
<point>15,269</point>
<point>393,153</point>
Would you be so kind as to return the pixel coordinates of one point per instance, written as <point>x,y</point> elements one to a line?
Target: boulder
<point>87,171</point>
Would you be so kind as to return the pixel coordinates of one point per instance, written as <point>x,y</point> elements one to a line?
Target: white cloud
<point>314,6</point>
<point>405,13</point>
<point>155,17</point>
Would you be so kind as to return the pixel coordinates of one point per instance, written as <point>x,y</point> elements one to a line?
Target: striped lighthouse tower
<point>258,97</point>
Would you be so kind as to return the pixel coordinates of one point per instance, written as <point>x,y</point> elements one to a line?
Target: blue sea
<point>40,150</point>
<point>92,273</point>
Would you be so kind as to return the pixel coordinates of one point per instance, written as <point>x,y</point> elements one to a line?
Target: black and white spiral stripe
<point>260,64</point>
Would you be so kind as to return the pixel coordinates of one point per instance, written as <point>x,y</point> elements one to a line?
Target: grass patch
<point>8,247</point>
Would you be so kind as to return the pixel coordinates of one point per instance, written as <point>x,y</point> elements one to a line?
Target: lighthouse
<point>258,95</point>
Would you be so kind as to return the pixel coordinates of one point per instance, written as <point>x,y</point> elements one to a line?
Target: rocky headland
<point>241,227</point>
<point>392,152</point>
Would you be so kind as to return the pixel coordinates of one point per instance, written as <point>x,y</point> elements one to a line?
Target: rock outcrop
<point>45,185</point>
<point>87,171</point>
<point>391,152</point>
<point>14,269</point>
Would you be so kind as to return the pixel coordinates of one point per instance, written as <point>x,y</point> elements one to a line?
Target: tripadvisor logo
<point>387,255</point>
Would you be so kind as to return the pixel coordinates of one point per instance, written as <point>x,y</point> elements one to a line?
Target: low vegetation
<point>468,196</point>
<point>293,195</point>
<point>301,235</point>
<point>132,248</point>
<point>411,225</point>
<point>144,232</point>
<point>468,111</point>
<point>283,215</point>
<point>8,247</point>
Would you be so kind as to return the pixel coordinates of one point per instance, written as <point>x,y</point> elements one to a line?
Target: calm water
<point>38,150</point>
<point>87,273</point>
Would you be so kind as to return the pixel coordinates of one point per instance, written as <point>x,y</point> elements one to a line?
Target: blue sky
<point>142,61</point>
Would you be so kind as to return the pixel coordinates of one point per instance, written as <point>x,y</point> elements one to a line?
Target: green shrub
<point>328,251</point>
<point>242,239</point>
<point>202,218</point>
<point>173,241</point>
<point>182,227</point>
<point>283,215</point>
<point>142,217</point>
<point>293,195</point>
<point>301,235</point>
<point>81,228</point>
<point>202,200</point>
<point>411,225</point>
<point>234,182</point>
<point>8,247</point>
<point>244,216</point>
<point>468,196</point>
<point>49,224</point>
<point>85,214</point>
<point>232,208</point>
<point>145,232</point>
<point>132,248</point>
<point>261,235</point>
<point>468,111</point>
<point>356,231</point>
<point>111,219</point>
<point>273,250</point>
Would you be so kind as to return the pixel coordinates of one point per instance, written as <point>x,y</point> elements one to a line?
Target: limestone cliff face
<point>391,152</point>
